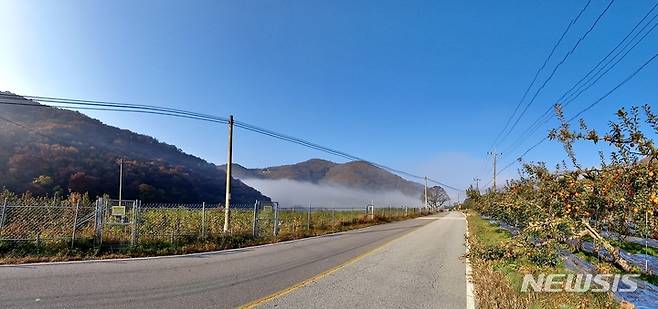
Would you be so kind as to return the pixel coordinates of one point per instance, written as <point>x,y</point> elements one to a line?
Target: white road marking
<point>453,218</point>
<point>470,288</point>
<point>442,218</point>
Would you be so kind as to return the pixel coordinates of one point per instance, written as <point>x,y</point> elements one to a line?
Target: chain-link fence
<point>181,222</point>
<point>42,222</point>
<point>112,222</point>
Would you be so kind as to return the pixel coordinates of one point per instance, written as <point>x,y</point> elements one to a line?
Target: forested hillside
<point>48,151</point>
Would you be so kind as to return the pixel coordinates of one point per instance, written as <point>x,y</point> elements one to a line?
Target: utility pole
<point>120,181</point>
<point>425,192</point>
<point>495,157</point>
<point>229,165</point>
<point>477,183</point>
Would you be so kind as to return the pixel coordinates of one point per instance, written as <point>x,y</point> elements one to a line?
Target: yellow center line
<point>319,276</point>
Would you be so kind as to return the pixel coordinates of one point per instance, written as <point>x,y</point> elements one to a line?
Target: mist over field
<point>294,193</point>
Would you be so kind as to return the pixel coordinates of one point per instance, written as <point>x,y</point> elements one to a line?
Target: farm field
<point>42,229</point>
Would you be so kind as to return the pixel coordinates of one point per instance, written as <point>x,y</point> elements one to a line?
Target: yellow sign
<point>118,210</point>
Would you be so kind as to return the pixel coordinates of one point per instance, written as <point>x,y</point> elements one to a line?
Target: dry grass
<point>498,281</point>
<point>495,289</point>
<point>29,252</point>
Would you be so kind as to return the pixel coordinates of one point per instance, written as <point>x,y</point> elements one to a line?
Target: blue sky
<point>422,86</point>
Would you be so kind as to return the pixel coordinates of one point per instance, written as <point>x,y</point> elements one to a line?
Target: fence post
<point>2,217</point>
<point>308,218</point>
<point>254,227</point>
<point>138,220</point>
<point>276,218</point>
<point>333,216</point>
<point>75,223</point>
<point>203,220</point>
<point>135,225</point>
<point>132,234</point>
<point>98,221</point>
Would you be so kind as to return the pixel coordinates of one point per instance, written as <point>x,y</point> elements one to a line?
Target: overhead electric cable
<point>541,68</point>
<point>577,89</point>
<point>150,109</point>
<point>555,69</point>
<point>596,102</point>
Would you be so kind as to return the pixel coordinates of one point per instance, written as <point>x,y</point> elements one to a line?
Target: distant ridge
<point>355,174</point>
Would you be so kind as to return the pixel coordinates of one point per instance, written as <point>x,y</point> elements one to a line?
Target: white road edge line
<point>470,288</point>
<point>172,256</point>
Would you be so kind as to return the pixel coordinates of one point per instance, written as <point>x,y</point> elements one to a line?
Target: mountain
<point>313,171</point>
<point>356,174</point>
<point>48,150</point>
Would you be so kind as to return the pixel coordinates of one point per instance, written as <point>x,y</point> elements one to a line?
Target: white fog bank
<point>294,193</point>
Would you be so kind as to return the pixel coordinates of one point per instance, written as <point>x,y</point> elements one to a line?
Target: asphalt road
<point>422,269</point>
<point>222,279</point>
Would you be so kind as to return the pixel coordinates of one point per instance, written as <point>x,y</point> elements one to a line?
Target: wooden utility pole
<point>229,165</point>
<point>477,183</point>
<point>495,157</point>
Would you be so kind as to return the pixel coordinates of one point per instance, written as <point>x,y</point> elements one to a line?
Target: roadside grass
<point>635,248</point>
<point>498,275</point>
<point>12,252</point>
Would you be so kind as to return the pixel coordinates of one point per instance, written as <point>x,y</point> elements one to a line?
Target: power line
<point>333,151</point>
<point>140,107</point>
<point>541,68</point>
<point>156,110</point>
<point>519,158</point>
<point>113,109</point>
<point>572,91</point>
<point>599,100</point>
<point>20,125</point>
<point>616,87</point>
<point>557,66</point>
<point>120,109</point>
<point>577,89</point>
<point>584,88</point>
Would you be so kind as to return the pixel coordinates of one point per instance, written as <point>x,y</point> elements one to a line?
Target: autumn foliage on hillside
<point>48,151</point>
